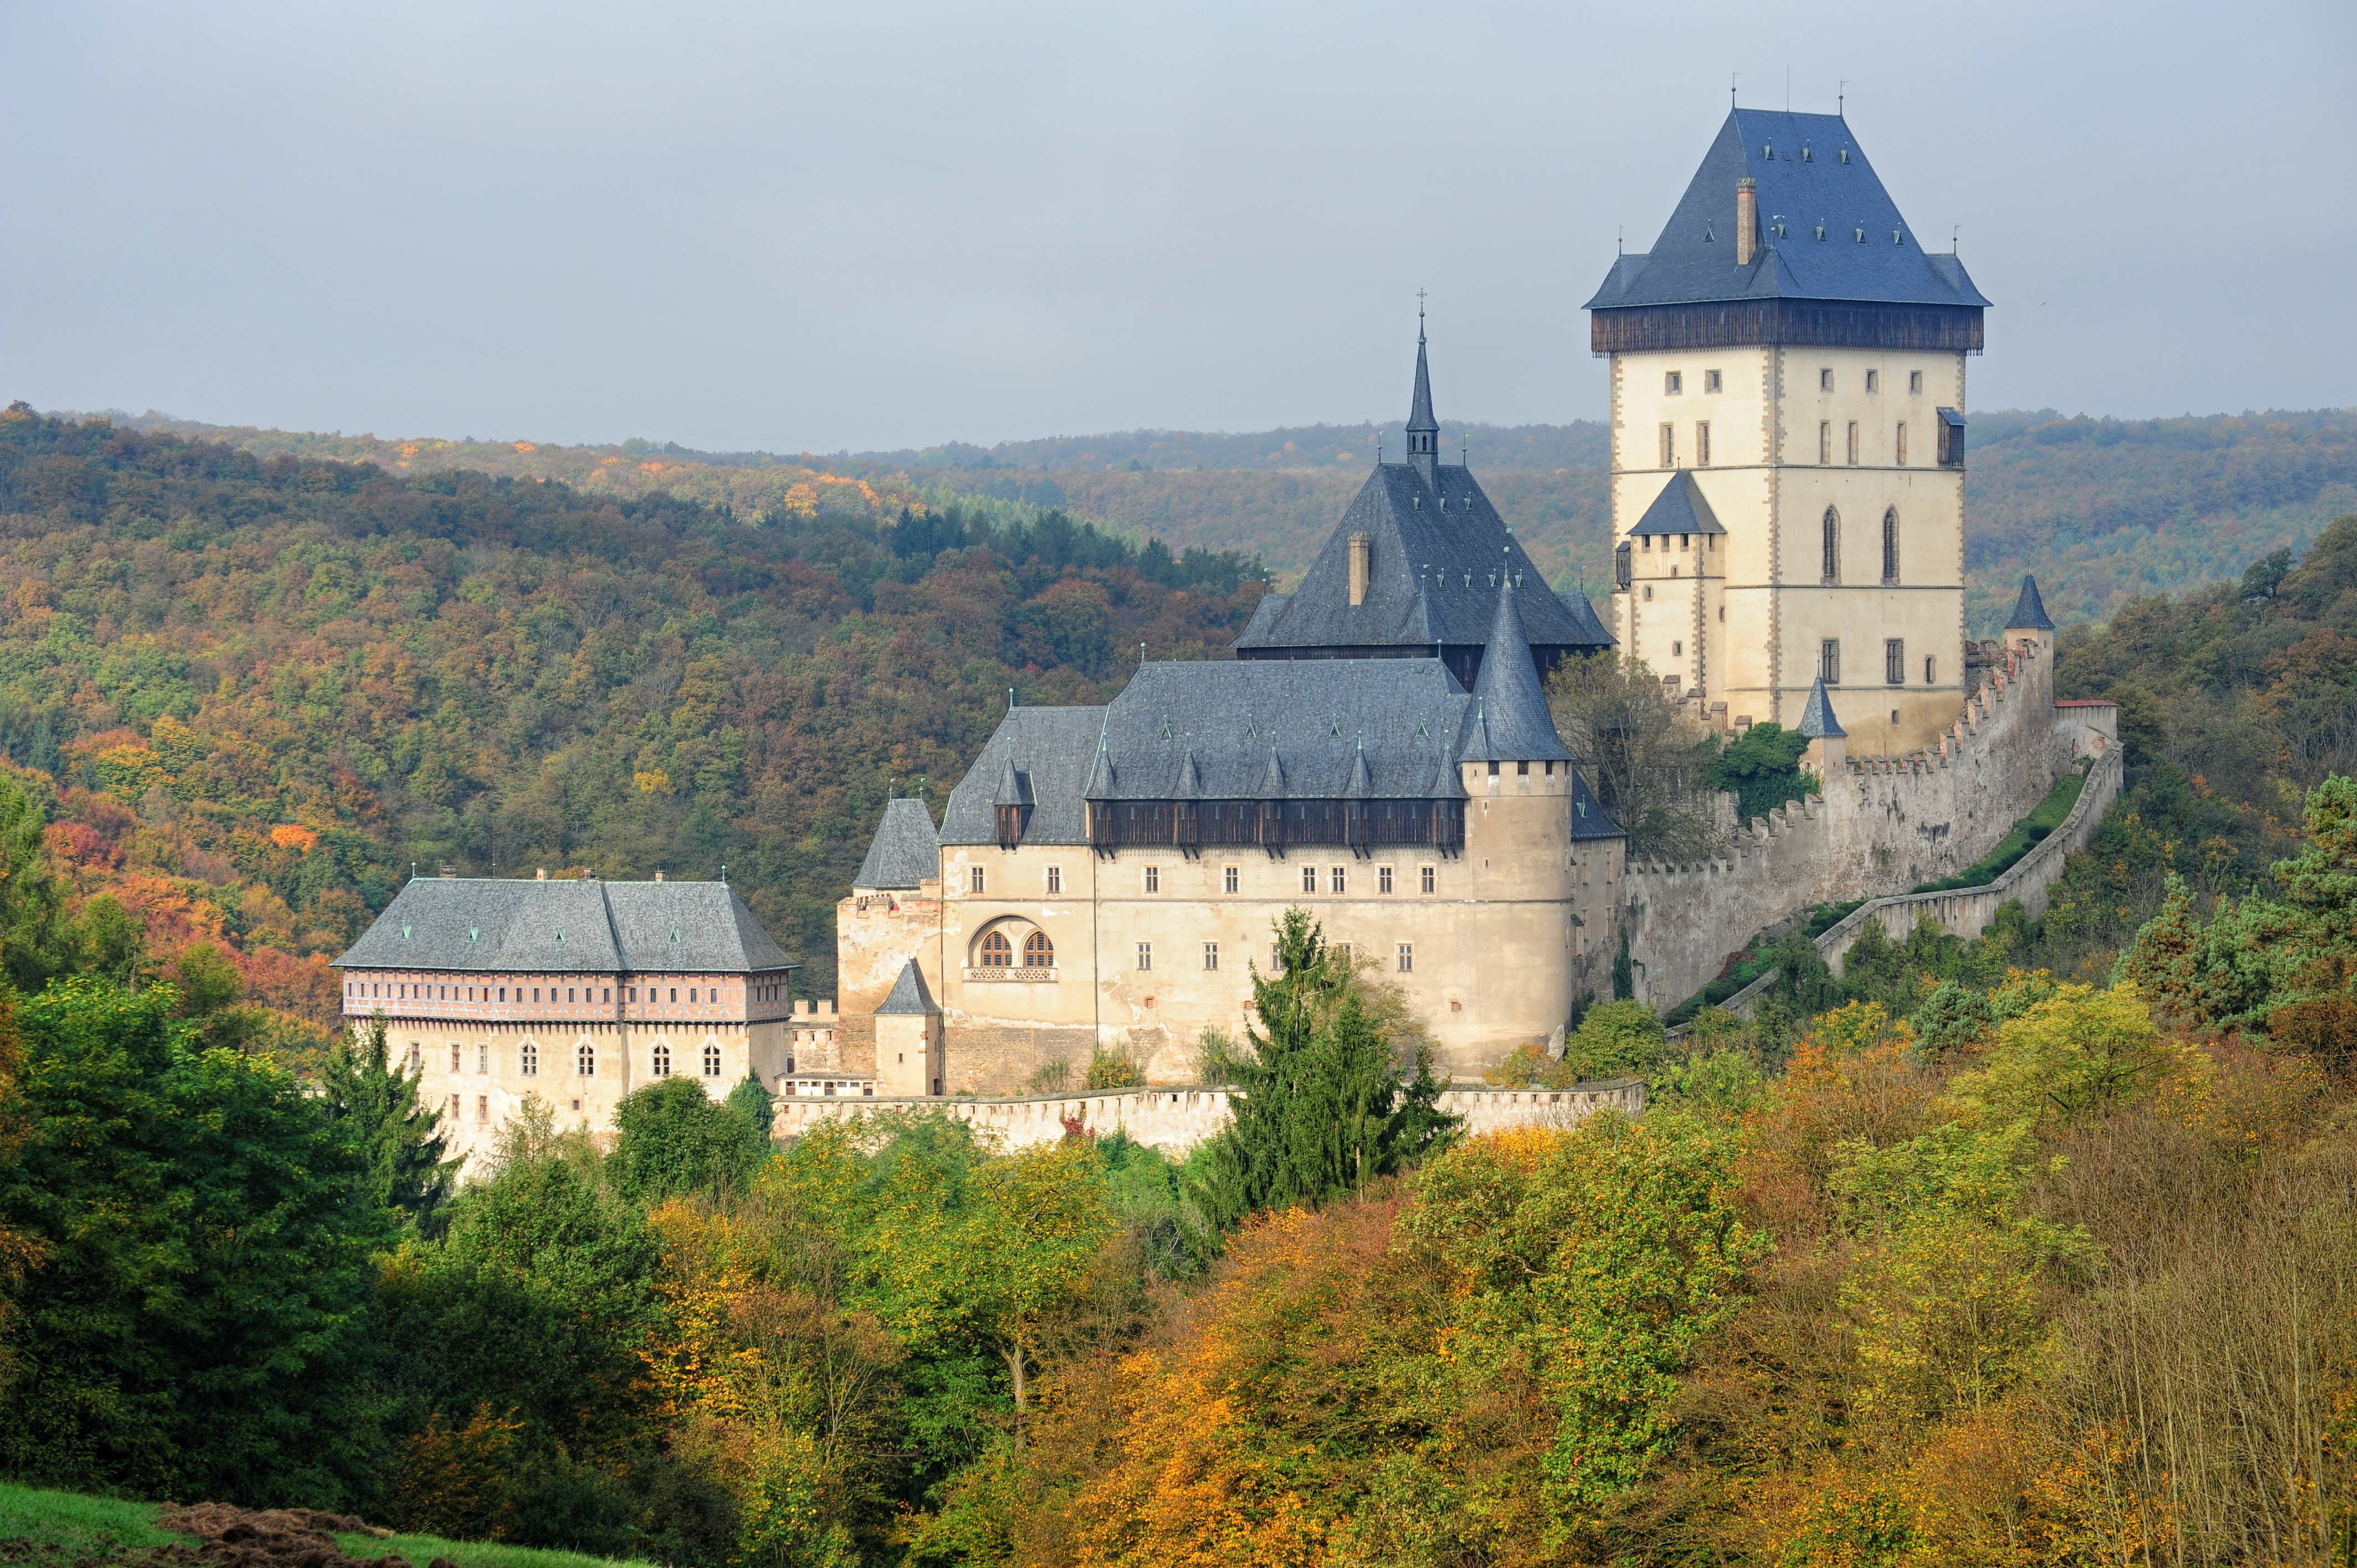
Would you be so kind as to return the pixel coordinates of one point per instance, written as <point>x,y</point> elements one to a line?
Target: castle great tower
<point>1788,441</point>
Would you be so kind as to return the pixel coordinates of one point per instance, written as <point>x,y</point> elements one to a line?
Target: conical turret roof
<point>1513,722</point>
<point>2029,610</point>
<point>1818,721</point>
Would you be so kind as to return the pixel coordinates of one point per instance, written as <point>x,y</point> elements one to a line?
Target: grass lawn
<point>65,1526</point>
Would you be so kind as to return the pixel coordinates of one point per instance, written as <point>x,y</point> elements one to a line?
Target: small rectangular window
<point>454,1059</point>
<point>453,1108</point>
<point>482,1108</point>
<point>1710,382</point>
<point>974,883</point>
<point>1407,958</point>
<point>1211,955</point>
<point>1145,955</point>
<point>1702,444</point>
<point>631,993</point>
<point>1309,879</point>
<point>1931,671</point>
<point>568,993</point>
<point>1674,383</point>
<point>1669,445</point>
<point>1153,879</point>
<point>1824,381</point>
<point>608,996</point>
<point>1874,381</point>
<point>1915,381</point>
<point>674,993</point>
<point>1825,443</point>
<point>1523,769</point>
<point>1894,662</point>
<point>536,992</point>
<point>1337,881</point>
<point>1901,443</point>
<point>1228,878</point>
<point>1427,877</point>
<point>1829,660</point>
<point>503,994</point>
<point>1383,879</point>
<point>1852,443</point>
<point>1055,879</point>
<point>482,1062</point>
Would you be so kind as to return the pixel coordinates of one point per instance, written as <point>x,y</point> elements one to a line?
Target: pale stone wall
<point>1176,1120</point>
<point>1883,824</point>
<point>1151,947</point>
<point>1743,630</point>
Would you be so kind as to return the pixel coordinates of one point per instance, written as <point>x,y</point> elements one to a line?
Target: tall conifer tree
<point>399,1139</point>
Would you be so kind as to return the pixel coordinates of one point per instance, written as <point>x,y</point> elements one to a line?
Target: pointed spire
<point>1514,722</point>
<point>1100,778</point>
<point>1423,429</point>
<point>1012,788</point>
<point>1272,780</point>
<point>1818,721</point>
<point>2029,610</point>
<point>1362,784</point>
<point>1190,782</point>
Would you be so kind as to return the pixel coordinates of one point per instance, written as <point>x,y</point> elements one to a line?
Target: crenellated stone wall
<point>1884,824</point>
<point>1176,1120</point>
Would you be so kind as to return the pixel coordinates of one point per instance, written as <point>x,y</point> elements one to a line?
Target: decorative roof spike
<point>1523,730</point>
<point>1272,780</point>
<point>2029,610</point>
<point>1190,781</point>
<point>1362,784</point>
<point>1818,721</point>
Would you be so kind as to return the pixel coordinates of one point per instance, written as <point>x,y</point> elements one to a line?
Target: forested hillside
<point>253,692</point>
<point>2102,510</point>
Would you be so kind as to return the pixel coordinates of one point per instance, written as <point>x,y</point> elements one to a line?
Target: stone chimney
<point>1747,220</point>
<point>1362,561</point>
<point>540,875</point>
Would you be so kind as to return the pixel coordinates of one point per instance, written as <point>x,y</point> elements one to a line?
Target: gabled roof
<point>1509,710</point>
<point>905,851</point>
<point>1679,508</point>
<point>1055,749</point>
<point>500,925</point>
<point>1438,551</point>
<point>1805,186</point>
<point>2029,610</point>
<point>1587,816</point>
<point>1818,721</point>
<point>908,994</point>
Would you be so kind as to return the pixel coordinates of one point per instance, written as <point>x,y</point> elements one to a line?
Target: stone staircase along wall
<point>1883,823</point>
<point>1176,1120</point>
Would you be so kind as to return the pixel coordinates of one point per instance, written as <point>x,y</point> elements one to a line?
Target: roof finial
<point>1841,100</point>
<point>1419,317</point>
<point>1731,81</point>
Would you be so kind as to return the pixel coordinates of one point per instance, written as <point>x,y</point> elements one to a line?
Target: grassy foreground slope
<point>67,1527</point>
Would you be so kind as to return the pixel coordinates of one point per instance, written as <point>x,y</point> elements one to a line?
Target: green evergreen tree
<point>398,1138</point>
<point>1319,1107</point>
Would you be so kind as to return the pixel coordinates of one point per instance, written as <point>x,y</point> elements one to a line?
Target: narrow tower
<point>1423,429</point>
<point>1788,367</point>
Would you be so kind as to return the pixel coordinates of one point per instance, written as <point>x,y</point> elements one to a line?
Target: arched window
<point>997,952</point>
<point>585,1060</point>
<point>1833,546</point>
<point>528,1062</point>
<point>662,1060</point>
<point>1890,545</point>
<point>1038,952</point>
<point>711,1061</point>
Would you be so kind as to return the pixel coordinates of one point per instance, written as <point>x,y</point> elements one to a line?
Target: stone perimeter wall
<point>1176,1120</point>
<point>1883,823</point>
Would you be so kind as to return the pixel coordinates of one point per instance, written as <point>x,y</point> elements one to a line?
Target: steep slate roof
<point>905,851</point>
<point>2029,610</point>
<point>1818,721</point>
<point>1054,749</point>
<point>1510,711</point>
<point>1588,818</point>
<point>1679,508</point>
<point>1694,260</point>
<point>1433,575</point>
<point>908,994</point>
<point>489,925</point>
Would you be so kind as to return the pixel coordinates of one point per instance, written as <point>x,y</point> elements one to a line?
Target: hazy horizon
<point>810,229</point>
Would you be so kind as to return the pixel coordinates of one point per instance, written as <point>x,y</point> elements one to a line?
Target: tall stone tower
<point>1788,441</point>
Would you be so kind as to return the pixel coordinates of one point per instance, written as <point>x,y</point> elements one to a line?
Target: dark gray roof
<point>1679,508</point>
<point>1054,749</point>
<point>1818,721</point>
<point>1510,711</point>
<point>500,925</point>
<point>1588,818</point>
<point>1438,549</point>
<point>1805,186</point>
<point>1420,410</point>
<point>909,992</point>
<point>2029,610</point>
<point>905,851</point>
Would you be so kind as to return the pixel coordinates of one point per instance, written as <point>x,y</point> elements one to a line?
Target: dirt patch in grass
<point>230,1538</point>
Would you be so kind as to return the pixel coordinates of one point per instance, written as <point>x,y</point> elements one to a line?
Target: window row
<point>585,1059</point>
<point>1403,957</point>
<point>1232,878</point>
<point>394,991</point>
<point>1830,565</point>
<point>1894,663</point>
<point>1673,382</point>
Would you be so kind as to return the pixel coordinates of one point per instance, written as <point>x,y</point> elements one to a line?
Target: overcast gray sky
<point>814,226</point>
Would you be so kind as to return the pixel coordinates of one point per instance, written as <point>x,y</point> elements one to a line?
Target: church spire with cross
<point>1423,429</point>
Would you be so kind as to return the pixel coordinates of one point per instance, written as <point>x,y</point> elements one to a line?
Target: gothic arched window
<point>711,1061</point>
<point>585,1060</point>
<point>1890,545</point>
<point>997,952</point>
<point>528,1062</point>
<point>1833,546</point>
<point>662,1060</point>
<point>1038,952</point>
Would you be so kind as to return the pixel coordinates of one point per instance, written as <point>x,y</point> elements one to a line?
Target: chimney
<point>1362,556</point>
<point>1747,220</point>
<point>541,875</point>
<point>658,873</point>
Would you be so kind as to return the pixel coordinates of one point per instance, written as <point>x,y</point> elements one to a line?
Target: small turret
<point>1423,429</point>
<point>1512,723</point>
<point>2030,622</point>
<point>1829,742</point>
